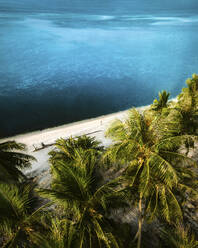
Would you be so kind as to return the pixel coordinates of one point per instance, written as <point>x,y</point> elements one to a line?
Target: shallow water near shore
<point>63,67</point>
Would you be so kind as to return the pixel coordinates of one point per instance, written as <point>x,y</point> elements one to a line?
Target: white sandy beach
<point>94,127</point>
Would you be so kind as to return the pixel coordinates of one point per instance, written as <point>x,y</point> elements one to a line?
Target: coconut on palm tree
<point>12,161</point>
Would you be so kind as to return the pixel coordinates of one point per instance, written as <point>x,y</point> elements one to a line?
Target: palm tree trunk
<point>138,235</point>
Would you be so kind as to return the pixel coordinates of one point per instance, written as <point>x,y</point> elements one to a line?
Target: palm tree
<point>184,111</point>
<point>162,102</point>
<point>18,215</point>
<point>83,197</point>
<point>12,161</point>
<point>188,105</point>
<point>158,108</point>
<point>154,167</point>
<point>61,233</point>
<point>69,150</point>
<point>179,237</point>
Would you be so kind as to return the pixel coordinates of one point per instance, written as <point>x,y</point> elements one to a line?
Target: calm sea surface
<point>62,67</point>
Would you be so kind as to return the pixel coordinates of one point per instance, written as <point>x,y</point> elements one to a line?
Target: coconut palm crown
<point>81,194</point>
<point>19,216</point>
<point>162,102</point>
<point>154,167</point>
<point>188,105</point>
<point>12,161</point>
<point>69,150</point>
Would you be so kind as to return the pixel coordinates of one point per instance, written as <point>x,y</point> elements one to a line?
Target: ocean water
<point>61,67</point>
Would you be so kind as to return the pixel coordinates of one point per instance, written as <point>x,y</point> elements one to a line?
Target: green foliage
<point>83,196</point>
<point>12,161</point>
<point>158,109</point>
<point>70,150</point>
<point>179,237</point>
<point>162,102</point>
<point>155,168</point>
<point>60,234</point>
<point>18,218</point>
<point>155,178</point>
<point>188,105</point>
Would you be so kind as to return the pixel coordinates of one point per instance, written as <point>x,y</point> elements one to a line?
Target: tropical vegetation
<point>141,191</point>
<point>13,160</point>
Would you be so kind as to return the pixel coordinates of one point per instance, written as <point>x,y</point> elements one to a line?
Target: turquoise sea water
<point>63,66</point>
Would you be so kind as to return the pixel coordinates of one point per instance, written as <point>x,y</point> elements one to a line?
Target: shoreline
<point>87,126</point>
<point>40,143</point>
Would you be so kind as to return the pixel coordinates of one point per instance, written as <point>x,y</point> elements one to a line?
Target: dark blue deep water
<point>63,66</point>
